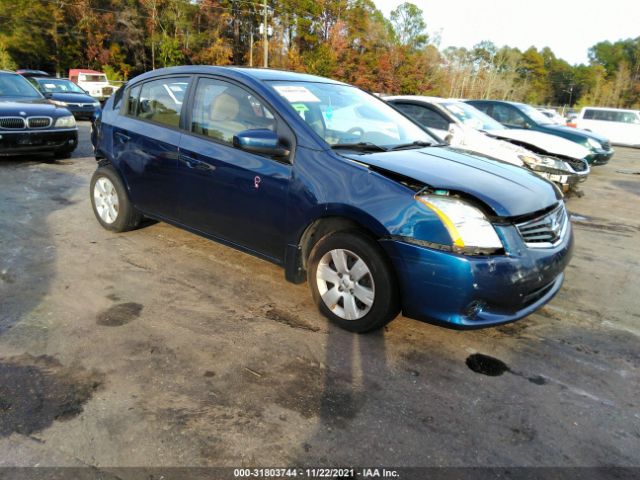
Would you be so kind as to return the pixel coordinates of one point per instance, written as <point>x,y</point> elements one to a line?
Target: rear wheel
<point>352,282</point>
<point>110,201</point>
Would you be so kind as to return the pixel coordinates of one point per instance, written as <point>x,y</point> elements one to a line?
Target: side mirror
<point>48,95</point>
<point>261,141</point>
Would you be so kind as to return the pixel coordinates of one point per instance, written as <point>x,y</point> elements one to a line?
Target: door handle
<point>196,164</point>
<point>122,137</point>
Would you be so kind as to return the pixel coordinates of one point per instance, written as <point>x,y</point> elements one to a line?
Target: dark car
<point>64,93</point>
<point>29,123</point>
<point>338,188</point>
<point>520,115</point>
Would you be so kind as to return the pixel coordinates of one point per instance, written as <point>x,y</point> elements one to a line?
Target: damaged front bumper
<point>466,292</point>
<point>577,171</point>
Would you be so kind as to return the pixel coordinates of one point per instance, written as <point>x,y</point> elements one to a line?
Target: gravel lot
<point>158,347</point>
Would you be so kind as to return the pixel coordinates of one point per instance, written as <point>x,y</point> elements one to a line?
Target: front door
<point>235,195</point>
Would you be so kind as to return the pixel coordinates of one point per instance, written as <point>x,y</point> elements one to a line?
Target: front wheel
<point>110,201</point>
<point>352,282</point>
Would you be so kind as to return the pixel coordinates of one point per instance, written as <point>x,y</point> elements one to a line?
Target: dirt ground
<point>160,348</point>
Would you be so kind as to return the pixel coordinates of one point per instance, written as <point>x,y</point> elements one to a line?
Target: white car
<point>552,115</point>
<point>463,126</point>
<point>93,82</point>
<point>622,127</point>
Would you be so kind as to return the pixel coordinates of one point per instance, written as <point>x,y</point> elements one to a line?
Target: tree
<point>409,25</point>
<point>6,62</point>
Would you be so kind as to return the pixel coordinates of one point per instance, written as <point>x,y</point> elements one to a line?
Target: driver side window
<point>509,116</point>
<point>222,110</point>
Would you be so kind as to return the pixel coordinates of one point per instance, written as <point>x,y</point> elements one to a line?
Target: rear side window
<point>161,100</point>
<point>424,116</point>
<point>222,109</point>
<point>132,100</point>
<point>627,117</point>
<point>611,116</point>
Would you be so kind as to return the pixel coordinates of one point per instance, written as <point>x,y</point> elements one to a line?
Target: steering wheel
<point>355,130</point>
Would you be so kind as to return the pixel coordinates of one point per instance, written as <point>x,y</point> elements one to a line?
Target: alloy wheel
<point>106,200</point>
<point>345,284</point>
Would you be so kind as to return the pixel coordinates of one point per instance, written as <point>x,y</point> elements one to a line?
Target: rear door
<point>145,144</point>
<point>237,196</point>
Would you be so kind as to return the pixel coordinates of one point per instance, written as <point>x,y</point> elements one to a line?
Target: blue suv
<point>338,188</point>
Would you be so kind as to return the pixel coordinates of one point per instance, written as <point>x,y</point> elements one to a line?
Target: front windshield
<point>535,115</point>
<point>12,85</point>
<point>343,115</point>
<point>51,85</point>
<point>471,116</point>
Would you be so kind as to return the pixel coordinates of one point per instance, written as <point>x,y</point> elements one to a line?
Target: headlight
<point>594,143</point>
<point>66,122</point>
<point>96,103</point>
<point>545,164</point>
<point>468,227</point>
<point>59,103</point>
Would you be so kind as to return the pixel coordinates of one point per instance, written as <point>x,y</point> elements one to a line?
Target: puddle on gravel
<point>486,365</point>
<point>35,391</point>
<point>119,314</point>
<point>492,367</point>
<point>600,224</point>
<point>62,200</point>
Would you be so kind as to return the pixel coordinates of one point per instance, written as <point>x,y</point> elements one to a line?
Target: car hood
<point>14,107</point>
<point>72,97</point>
<point>510,191</point>
<point>552,144</point>
<point>574,132</point>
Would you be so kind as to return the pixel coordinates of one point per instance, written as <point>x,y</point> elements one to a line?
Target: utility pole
<point>265,37</point>
<point>251,49</point>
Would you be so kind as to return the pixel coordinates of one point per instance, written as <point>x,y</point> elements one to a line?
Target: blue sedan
<point>337,187</point>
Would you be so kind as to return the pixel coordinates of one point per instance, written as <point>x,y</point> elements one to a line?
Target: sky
<point>568,27</point>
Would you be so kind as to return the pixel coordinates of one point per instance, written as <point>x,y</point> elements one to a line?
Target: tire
<point>110,202</point>
<point>337,257</point>
<point>62,154</point>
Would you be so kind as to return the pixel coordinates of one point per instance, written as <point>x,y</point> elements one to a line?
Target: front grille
<point>578,165</point>
<point>15,123</point>
<point>107,90</point>
<point>39,122</point>
<point>545,231</point>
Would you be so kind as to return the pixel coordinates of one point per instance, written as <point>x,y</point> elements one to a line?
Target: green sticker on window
<point>300,107</point>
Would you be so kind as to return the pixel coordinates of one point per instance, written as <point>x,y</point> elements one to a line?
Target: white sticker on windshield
<point>294,93</point>
<point>49,85</point>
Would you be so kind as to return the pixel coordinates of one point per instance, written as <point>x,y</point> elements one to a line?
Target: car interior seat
<point>223,117</point>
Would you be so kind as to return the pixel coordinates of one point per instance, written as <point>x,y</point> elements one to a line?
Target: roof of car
<point>264,74</point>
<point>423,98</point>
<point>612,108</point>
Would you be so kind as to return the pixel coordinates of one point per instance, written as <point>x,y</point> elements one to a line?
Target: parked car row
<point>30,123</point>
<point>442,209</point>
<point>463,126</point>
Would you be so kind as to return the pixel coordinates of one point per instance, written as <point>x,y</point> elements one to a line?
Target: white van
<point>622,127</point>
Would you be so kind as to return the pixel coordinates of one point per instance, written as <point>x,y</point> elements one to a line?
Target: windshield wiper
<point>361,146</point>
<point>416,144</point>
